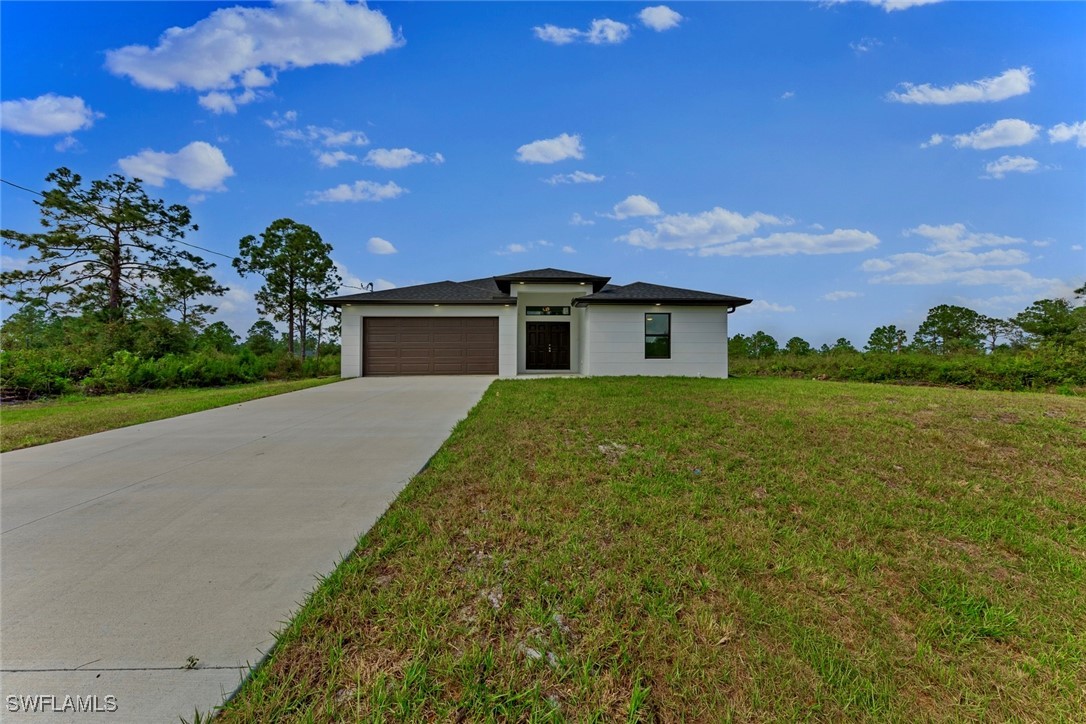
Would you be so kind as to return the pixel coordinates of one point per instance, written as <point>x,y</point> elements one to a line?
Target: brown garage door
<point>429,346</point>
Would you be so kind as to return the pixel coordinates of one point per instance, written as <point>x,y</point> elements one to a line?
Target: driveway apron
<point>145,569</point>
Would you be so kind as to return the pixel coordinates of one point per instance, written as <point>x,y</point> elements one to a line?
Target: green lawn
<point>36,423</point>
<point>671,549</point>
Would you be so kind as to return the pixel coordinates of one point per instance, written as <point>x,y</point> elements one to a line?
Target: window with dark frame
<point>657,335</point>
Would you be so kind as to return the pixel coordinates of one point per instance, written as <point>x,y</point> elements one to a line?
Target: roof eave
<point>729,303</point>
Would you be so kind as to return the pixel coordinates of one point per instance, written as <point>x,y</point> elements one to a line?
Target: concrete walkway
<point>125,553</point>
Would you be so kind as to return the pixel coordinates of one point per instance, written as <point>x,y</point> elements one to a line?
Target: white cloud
<point>199,166</point>
<point>956,237</point>
<point>243,47</point>
<point>47,115</point>
<point>935,140</point>
<point>551,150</point>
<point>399,158</point>
<point>567,249</point>
<point>278,121</point>
<point>635,205</point>
<point>761,306</point>
<point>196,199</point>
<point>514,249</point>
<point>1076,247</point>
<point>380,285</point>
<point>838,241</point>
<point>895,5</point>
<point>694,231</point>
<point>1006,132</point>
<point>322,136</point>
<point>331,159</point>
<point>1013,82</point>
<point>578,220</point>
<point>377,245</point>
<point>659,18</point>
<point>865,45</point>
<point>600,32</point>
<point>948,259</point>
<point>577,177</point>
<point>839,295</point>
<point>1011,164</point>
<point>358,191</point>
<point>66,144</point>
<point>720,232</point>
<point>353,284</point>
<point>788,95</point>
<point>554,34</point>
<point>1062,132</point>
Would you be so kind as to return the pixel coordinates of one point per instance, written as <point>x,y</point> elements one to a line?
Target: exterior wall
<point>554,295</point>
<point>615,341</point>
<point>351,333</point>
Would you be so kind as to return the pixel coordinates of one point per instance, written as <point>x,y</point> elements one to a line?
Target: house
<point>536,322</point>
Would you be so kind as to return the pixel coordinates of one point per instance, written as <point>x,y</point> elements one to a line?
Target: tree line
<point>112,280</point>
<point>948,329</point>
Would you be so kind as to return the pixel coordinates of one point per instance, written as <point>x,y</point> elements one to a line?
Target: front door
<point>548,345</point>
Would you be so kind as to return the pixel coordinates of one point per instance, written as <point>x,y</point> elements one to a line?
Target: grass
<point>36,423</point>
<point>630,549</point>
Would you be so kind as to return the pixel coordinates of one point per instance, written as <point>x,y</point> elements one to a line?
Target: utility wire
<point>365,288</point>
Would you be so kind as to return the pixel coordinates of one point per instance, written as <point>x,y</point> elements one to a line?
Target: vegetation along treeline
<point>113,299</point>
<point>1041,348</point>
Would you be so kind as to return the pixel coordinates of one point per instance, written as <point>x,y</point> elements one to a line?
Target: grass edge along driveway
<point>643,549</point>
<point>36,423</point>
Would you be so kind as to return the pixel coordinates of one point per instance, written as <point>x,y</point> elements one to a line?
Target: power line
<point>365,288</point>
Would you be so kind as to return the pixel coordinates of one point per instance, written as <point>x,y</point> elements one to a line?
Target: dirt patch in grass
<point>708,550</point>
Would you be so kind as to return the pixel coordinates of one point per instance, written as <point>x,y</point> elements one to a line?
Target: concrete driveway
<point>125,553</point>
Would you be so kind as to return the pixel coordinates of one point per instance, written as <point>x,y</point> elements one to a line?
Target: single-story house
<point>536,322</point>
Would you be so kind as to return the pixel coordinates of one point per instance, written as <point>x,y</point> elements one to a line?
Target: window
<point>657,336</point>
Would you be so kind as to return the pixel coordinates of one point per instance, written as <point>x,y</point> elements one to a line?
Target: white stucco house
<point>536,322</point>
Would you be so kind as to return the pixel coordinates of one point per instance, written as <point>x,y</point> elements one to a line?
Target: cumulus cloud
<point>896,5</point>
<point>513,249</point>
<point>956,237</point>
<point>244,47</point>
<point>47,115</point>
<point>935,140</point>
<point>551,150</point>
<point>838,241</point>
<point>1012,82</point>
<point>198,166</point>
<point>720,232</point>
<point>1010,164</point>
<point>567,249</point>
<point>66,144</point>
<point>759,306</point>
<point>1063,132</point>
<point>377,245</point>
<point>578,220</point>
<point>956,255</point>
<point>659,18</point>
<point>1002,133</point>
<point>839,295</point>
<point>321,136</point>
<point>358,191</point>
<point>331,159</point>
<point>600,32</point>
<point>635,205</point>
<point>787,95</point>
<point>399,158</point>
<point>577,177</point>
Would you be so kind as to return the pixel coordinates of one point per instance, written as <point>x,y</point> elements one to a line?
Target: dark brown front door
<point>429,346</point>
<point>548,345</point>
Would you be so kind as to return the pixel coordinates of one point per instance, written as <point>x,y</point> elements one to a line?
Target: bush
<point>1042,369</point>
<point>30,373</point>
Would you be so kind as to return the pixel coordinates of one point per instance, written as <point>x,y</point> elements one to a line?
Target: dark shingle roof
<point>437,293</point>
<point>495,290</point>
<point>550,275</point>
<point>643,292</point>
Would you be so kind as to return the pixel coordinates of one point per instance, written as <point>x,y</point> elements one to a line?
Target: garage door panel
<point>430,345</point>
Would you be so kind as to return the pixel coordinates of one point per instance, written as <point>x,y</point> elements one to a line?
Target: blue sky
<point>844,164</point>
